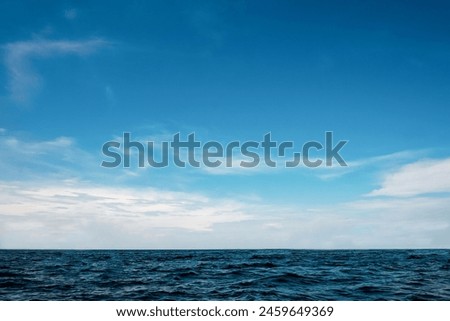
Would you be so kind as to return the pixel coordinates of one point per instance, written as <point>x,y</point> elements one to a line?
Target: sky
<point>77,74</point>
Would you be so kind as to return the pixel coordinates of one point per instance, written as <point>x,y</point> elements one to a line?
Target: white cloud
<point>382,161</point>
<point>18,56</point>
<point>73,214</point>
<point>55,195</point>
<point>24,158</point>
<point>415,222</point>
<point>390,158</point>
<point>37,147</point>
<point>323,172</point>
<point>422,177</point>
<point>77,214</point>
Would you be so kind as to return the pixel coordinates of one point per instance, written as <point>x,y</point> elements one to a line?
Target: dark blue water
<point>225,275</point>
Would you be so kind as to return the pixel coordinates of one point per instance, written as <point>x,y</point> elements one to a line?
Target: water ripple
<point>225,275</point>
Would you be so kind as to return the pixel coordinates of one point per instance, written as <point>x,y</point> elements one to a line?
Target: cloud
<point>381,161</point>
<point>69,213</point>
<point>23,159</point>
<point>415,222</point>
<point>422,177</point>
<point>77,214</point>
<point>53,194</point>
<point>323,172</point>
<point>19,55</point>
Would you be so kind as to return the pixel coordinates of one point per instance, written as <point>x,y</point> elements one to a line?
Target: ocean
<point>225,275</point>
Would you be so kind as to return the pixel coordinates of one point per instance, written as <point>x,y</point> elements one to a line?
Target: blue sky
<point>77,74</point>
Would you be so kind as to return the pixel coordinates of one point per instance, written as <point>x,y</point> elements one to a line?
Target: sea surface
<point>225,275</point>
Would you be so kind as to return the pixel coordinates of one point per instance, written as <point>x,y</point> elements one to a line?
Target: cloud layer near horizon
<point>421,177</point>
<point>61,200</point>
<point>72,214</point>
<point>56,205</point>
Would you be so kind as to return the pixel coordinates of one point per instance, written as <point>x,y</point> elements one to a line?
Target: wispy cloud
<point>380,161</point>
<point>18,60</point>
<point>421,177</point>
<point>323,172</point>
<point>23,158</point>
